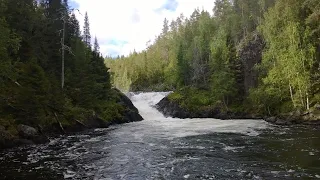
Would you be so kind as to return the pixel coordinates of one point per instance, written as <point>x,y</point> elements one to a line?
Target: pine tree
<point>74,26</point>
<point>86,31</point>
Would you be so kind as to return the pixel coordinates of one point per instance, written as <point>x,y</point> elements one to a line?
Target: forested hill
<point>261,55</point>
<point>49,71</point>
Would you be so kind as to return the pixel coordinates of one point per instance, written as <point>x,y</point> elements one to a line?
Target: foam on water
<point>175,127</point>
<point>145,102</point>
<point>171,148</point>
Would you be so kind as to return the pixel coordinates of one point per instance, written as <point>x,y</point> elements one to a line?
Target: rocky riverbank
<point>173,109</point>
<point>28,134</point>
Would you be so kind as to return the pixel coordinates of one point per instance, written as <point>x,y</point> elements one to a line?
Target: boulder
<point>31,134</point>
<point>27,132</point>
<point>95,122</point>
<point>271,119</point>
<point>131,113</point>
<point>169,108</point>
<point>282,122</point>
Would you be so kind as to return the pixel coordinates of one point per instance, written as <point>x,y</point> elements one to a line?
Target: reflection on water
<point>168,148</point>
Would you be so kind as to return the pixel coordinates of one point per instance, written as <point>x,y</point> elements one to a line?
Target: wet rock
<point>271,119</point>
<point>283,122</point>
<point>169,108</point>
<point>94,122</point>
<point>314,122</point>
<point>173,109</point>
<point>131,113</point>
<point>311,118</point>
<point>295,118</point>
<point>132,116</point>
<point>27,131</point>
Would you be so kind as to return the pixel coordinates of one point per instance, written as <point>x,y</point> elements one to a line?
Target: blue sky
<point>124,25</point>
<point>73,4</point>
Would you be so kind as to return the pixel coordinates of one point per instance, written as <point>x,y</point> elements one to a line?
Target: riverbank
<point>22,134</point>
<point>171,106</point>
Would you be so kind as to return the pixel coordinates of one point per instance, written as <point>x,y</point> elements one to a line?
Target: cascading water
<point>145,102</point>
<point>172,148</point>
<point>185,127</point>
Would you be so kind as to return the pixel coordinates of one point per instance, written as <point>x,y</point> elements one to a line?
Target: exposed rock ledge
<point>173,109</point>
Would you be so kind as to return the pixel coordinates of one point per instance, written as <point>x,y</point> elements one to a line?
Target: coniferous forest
<point>257,56</point>
<point>49,71</point>
<point>240,85</point>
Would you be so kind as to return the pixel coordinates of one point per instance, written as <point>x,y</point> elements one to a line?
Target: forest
<point>260,56</point>
<point>49,71</point>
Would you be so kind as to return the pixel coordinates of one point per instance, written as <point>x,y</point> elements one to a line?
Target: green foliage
<point>198,57</point>
<point>30,68</point>
<point>112,111</point>
<point>264,100</point>
<point>222,79</point>
<point>289,55</point>
<point>177,97</point>
<point>191,98</point>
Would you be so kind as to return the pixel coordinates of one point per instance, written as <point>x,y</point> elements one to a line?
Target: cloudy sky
<point>124,25</point>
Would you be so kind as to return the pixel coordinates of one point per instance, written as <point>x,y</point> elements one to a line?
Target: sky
<point>122,26</point>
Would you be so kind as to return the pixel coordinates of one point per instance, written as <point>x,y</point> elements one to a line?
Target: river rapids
<point>170,148</point>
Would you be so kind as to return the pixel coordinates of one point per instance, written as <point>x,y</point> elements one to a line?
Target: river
<point>171,148</point>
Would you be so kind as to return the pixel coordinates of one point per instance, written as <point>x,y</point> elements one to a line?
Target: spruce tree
<point>86,31</point>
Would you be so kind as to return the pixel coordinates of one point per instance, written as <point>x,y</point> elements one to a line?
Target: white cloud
<point>131,21</point>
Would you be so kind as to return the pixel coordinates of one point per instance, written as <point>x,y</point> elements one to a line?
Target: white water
<point>145,102</point>
<point>175,127</point>
<point>170,148</point>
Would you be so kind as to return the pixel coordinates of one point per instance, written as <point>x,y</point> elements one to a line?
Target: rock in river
<point>31,133</point>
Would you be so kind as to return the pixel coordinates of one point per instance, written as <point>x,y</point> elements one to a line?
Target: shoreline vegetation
<point>246,59</point>
<point>177,108</point>
<point>52,79</point>
<point>27,134</point>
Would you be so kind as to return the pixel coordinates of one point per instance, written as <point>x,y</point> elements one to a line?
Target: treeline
<point>259,55</point>
<point>49,71</point>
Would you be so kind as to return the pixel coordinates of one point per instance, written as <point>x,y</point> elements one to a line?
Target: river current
<point>171,148</point>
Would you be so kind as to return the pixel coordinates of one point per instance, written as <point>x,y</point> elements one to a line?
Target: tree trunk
<point>59,124</point>
<point>291,95</point>
<point>308,105</point>
<point>62,52</point>
<point>301,98</point>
